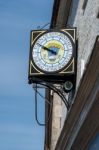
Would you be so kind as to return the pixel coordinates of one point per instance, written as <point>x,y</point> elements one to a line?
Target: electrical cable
<point>36,109</point>
<point>43,26</point>
<point>42,96</point>
<point>52,87</point>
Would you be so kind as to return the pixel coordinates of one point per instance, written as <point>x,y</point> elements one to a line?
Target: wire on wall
<point>36,106</point>
<point>39,27</point>
<point>56,90</point>
<point>50,86</point>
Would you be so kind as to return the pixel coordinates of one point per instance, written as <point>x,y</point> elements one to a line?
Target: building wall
<point>87,23</point>
<point>85,16</point>
<point>58,115</point>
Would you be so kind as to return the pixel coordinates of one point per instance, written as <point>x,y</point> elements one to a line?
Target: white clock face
<point>52,51</point>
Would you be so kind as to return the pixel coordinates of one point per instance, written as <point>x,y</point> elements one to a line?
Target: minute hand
<point>45,48</point>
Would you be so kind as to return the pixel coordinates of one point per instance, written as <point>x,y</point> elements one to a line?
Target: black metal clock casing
<point>52,55</point>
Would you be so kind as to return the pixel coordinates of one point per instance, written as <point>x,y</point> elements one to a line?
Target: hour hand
<point>45,48</point>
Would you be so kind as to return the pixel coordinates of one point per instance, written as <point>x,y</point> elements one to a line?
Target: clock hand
<point>45,48</point>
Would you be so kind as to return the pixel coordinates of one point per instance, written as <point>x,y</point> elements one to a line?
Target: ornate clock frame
<point>67,74</point>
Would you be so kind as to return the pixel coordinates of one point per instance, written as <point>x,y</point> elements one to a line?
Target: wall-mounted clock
<point>52,54</point>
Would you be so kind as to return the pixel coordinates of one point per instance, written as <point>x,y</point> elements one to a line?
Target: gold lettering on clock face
<point>52,51</point>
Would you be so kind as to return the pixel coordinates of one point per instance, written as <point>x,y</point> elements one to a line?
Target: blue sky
<point>18,128</point>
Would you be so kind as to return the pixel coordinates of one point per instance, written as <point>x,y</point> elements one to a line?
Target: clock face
<point>52,51</point>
